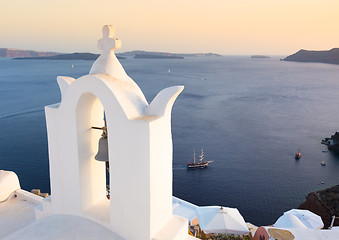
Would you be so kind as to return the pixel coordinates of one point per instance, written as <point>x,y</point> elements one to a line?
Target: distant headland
<point>29,54</point>
<point>330,56</point>
<point>18,53</point>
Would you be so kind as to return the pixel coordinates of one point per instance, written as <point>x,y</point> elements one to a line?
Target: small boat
<point>325,150</point>
<point>323,163</point>
<point>201,163</point>
<point>169,71</point>
<point>108,192</point>
<point>298,155</point>
<point>72,66</point>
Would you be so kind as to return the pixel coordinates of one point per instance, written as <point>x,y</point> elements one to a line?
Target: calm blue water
<point>250,115</point>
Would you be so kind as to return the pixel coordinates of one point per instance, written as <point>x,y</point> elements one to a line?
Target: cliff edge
<point>325,203</point>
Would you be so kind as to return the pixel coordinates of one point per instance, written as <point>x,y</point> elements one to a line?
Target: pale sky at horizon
<point>245,27</point>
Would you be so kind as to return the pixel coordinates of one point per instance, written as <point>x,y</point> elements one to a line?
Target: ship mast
<point>194,156</point>
<point>201,158</point>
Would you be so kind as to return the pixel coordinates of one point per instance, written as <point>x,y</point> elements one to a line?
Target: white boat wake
<point>15,114</point>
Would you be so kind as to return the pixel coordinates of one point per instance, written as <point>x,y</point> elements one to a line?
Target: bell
<point>102,154</point>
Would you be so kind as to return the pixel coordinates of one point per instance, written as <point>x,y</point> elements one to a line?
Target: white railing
<point>332,222</point>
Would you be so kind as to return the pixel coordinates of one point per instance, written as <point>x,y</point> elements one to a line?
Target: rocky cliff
<point>17,53</point>
<point>325,203</point>
<point>331,56</point>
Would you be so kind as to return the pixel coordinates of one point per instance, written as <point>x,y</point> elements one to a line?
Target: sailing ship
<point>201,163</point>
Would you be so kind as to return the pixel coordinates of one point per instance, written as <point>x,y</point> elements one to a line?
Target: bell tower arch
<point>92,173</point>
<point>140,151</point>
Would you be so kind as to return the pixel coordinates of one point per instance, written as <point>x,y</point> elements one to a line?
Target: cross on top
<point>108,42</point>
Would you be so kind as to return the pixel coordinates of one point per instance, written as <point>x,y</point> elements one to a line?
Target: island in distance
<point>29,54</point>
<point>146,54</point>
<point>330,56</point>
<point>259,56</point>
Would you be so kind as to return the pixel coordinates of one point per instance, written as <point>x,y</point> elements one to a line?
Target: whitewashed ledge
<point>9,182</point>
<point>17,206</point>
<point>63,227</point>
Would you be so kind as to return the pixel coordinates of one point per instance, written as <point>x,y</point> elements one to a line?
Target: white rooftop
<point>63,227</point>
<point>184,209</point>
<point>17,212</point>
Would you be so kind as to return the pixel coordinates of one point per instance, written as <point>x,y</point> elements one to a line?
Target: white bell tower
<point>140,151</point>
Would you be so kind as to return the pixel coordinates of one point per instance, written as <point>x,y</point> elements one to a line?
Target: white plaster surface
<point>9,182</point>
<point>17,212</point>
<point>184,209</point>
<point>107,62</point>
<point>63,227</point>
<point>175,229</point>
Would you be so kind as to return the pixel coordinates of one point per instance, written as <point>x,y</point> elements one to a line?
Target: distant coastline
<point>155,56</point>
<point>146,54</point>
<point>19,54</point>
<point>330,56</point>
<point>70,56</point>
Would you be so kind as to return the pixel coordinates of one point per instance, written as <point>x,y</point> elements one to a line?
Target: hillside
<point>18,53</point>
<point>331,56</point>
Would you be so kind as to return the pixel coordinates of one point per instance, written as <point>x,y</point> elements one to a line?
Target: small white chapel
<point>103,131</point>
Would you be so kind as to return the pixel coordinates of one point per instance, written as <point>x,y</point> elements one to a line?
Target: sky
<point>228,27</point>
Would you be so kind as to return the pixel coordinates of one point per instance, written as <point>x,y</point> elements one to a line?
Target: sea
<point>249,115</point>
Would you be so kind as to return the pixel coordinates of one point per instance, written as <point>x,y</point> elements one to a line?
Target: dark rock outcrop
<point>332,142</point>
<point>325,203</point>
<point>17,53</point>
<point>331,56</point>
